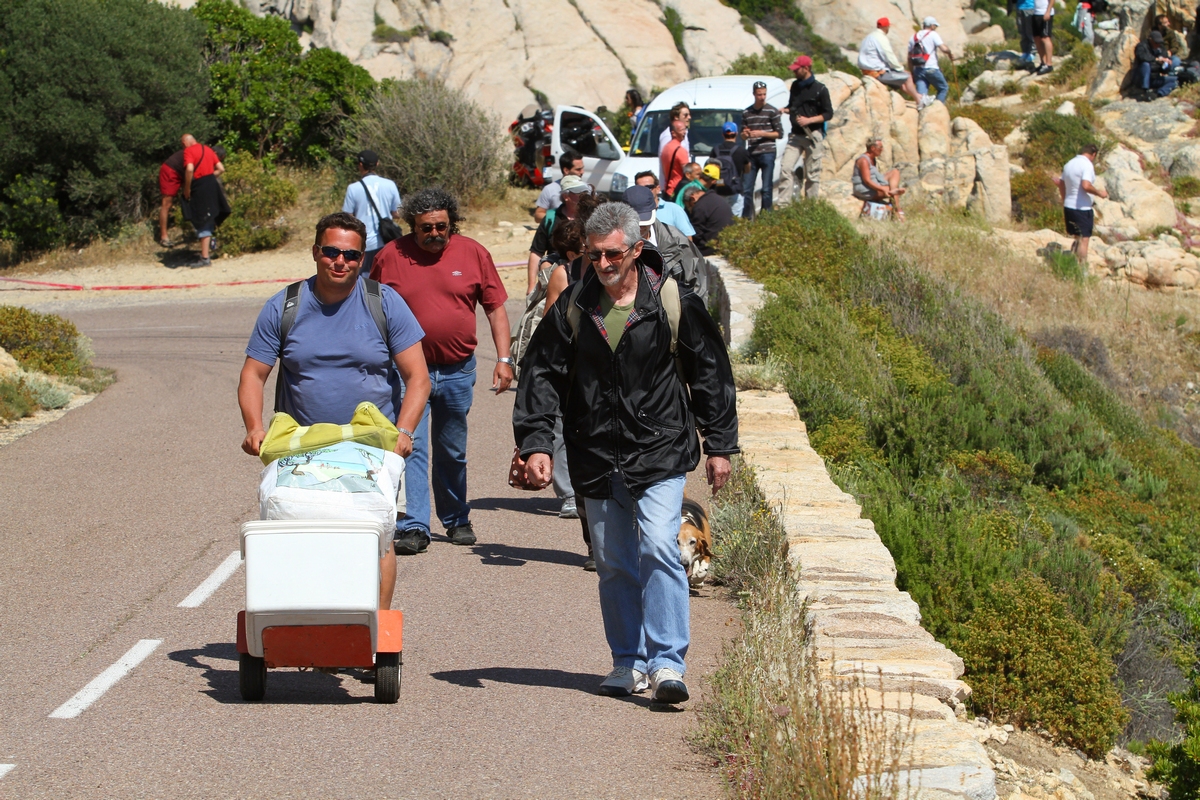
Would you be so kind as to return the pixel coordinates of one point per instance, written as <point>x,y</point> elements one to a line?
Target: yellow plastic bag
<point>368,426</point>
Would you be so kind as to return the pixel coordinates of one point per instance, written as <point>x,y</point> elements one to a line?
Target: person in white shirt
<point>877,59</point>
<point>1077,182</point>
<point>926,69</point>
<point>1043,24</point>
<point>571,163</point>
<point>382,203</point>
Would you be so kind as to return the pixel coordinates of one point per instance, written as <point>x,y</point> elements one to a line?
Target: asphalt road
<point>114,514</point>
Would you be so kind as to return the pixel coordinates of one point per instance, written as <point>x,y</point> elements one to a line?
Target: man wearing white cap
<point>923,52</point>
<point>877,59</point>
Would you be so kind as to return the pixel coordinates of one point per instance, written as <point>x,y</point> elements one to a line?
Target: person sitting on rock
<point>1172,39</point>
<point>877,59</point>
<point>1154,68</point>
<point>871,185</point>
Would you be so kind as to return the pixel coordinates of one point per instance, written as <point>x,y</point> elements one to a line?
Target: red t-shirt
<point>442,290</point>
<point>203,157</point>
<point>674,158</point>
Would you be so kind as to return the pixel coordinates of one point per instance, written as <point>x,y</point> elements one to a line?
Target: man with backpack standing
<point>732,156</point>
<point>618,356</point>
<point>809,107</point>
<point>345,341</point>
<point>375,201</point>
<point>923,51</point>
<point>444,276</point>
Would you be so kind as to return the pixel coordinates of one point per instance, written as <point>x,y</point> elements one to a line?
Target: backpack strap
<point>375,306</point>
<point>370,200</point>
<point>291,301</point>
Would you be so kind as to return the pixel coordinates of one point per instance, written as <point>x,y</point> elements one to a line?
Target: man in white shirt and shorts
<point>1076,184</point>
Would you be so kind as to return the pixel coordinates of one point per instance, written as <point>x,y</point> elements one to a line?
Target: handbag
<point>518,475</point>
<point>388,229</point>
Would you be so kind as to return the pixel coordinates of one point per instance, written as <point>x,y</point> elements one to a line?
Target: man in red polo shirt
<point>443,275</point>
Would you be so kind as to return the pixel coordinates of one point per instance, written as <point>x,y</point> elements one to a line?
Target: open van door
<point>586,134</point>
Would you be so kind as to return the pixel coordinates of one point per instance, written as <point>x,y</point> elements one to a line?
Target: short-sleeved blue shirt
<point>673,215</point>
<point>334,357</point>
<point>387,200</point>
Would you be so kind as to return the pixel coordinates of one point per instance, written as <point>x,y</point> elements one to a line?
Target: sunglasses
<point>430,227</point>
<point>332,254</point>
<point>613,256</point>
<point>759,85</point>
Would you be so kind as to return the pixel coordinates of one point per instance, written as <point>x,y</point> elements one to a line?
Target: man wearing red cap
<point>809,108</point>
<point>877,59</point>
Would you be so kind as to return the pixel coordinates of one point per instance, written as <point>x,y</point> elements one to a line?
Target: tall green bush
<point>271,97</point>
<point>258,196</point>
<point>93,95</point>
<point>428,134</point>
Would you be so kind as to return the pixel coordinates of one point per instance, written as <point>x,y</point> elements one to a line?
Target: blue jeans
<point>1163,83</point>
<point>451,389</point>
<point>643,587</point>
<point>924,78</point>
<point>766,163</point>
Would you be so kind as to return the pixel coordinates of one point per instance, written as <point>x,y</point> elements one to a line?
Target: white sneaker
<point>622,682</point>
<point>667,686</point>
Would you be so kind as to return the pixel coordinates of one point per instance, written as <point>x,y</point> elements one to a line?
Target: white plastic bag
<point>346,481</point>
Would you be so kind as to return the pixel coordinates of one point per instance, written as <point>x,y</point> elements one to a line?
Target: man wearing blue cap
<point>731,152</point>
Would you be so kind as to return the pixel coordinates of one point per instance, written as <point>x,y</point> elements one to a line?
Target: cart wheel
<point>252,677</point>
<point>387,677</point>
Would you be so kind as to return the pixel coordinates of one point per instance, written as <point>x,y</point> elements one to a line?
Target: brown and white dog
<point>695,542</point>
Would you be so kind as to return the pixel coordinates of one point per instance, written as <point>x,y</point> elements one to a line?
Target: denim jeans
<point>1154,78</point>
<point>451,389</point>
<point>925,78</point>
<point>643,587</point>
<point>766,163</point>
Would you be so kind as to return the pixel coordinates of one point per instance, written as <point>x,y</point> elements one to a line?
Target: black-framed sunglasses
<point>759,85</point>
<point>613,256</point>
<point>430,227</point>
<point>332,253</point>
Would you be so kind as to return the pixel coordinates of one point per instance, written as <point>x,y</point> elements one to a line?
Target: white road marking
<point>214,581</point>
<point>6,768</point>
<point>105,680</point>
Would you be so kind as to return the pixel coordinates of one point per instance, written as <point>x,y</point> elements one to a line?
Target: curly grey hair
<point>431,199</point>
<point>615,216</point>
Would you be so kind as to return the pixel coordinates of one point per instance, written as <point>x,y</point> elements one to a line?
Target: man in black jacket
<point>618,356</point>
<point>809,108</point>
<point>1154,67</point>
<point>710,215</point>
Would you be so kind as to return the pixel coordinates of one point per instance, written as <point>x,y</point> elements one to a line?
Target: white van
<point>713,102</point>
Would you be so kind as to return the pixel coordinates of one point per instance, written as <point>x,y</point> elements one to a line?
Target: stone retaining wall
<point>862,623</point>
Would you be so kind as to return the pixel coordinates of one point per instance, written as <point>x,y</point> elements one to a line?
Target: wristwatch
<point>505,360</point>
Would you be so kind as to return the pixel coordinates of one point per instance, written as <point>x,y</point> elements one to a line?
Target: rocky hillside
<point>508,53</point>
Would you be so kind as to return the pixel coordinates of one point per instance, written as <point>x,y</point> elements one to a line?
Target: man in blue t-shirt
<point>334,356</point>
<point>387,200</point>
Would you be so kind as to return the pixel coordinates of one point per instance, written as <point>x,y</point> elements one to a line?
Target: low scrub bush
<point>1036,202</point>
<point>427,134</point>
<point>40,342</point>
<point>16,400</point>
<point>47,393</point>
<point>1032,663</point>
<point>1054,139</point>
<point>996,122</point>
<point>747,537</point>
<point>787,23</point>
<point>1185,186</point>
<point>258,196</point>
<point>1066,266</point>
<point>1076,70</point>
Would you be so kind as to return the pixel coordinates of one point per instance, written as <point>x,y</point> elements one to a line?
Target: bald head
<point>187,140</point>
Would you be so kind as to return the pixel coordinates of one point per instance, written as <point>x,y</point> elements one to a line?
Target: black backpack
<point>729,172</point>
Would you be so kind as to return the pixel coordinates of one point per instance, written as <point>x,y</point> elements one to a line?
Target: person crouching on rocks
<point>871,185</point>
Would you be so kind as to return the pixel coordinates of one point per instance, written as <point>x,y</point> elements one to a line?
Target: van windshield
<point>704,133</point>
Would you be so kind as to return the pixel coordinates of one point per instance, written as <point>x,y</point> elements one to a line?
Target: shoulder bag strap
<point>291,301</point>
<point>375,306</point>
<point>370,200</point>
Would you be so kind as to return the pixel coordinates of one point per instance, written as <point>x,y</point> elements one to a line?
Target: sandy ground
<point>116,278</point>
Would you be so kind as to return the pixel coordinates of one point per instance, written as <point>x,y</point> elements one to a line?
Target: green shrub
<point>843,441</point>
<point>996,122</point>
<point>747,538</point>
<point>674,24</point>
<point>40,342</point>
<point>1036,200</point>
<point>16,401</point>
<point>769,62</point>
<point>1076,70</point>
<point>1177,765</point>
<point>47,393</point>
<point>90,109</point>
<point>1185,186</point>
<point>271,97</point>
<point>258,196</point>
<point>427,134</point>
<point>1054,139</point>
<point>1030,663</point>
<point>1066,266</point>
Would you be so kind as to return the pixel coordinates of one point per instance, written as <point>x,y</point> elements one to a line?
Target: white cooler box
<point>312,572</point>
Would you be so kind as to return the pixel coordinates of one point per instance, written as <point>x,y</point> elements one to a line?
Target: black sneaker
<point>410,542</point>
<point>461,534</point>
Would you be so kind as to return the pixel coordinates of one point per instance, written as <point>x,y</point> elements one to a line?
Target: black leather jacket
<point>627,411</point>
